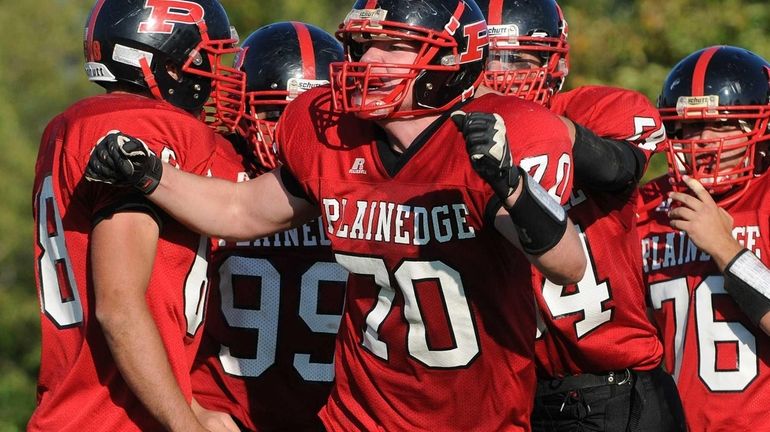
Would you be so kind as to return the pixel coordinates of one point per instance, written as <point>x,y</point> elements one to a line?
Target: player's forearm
<point>206,205</point>
<point>723,250</point>
<point>141,358</point>
<point>228,210</point>
<point>563,264</point>
<point>747,280</point>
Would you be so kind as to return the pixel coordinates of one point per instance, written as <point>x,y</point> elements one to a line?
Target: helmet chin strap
<point>149,78</point>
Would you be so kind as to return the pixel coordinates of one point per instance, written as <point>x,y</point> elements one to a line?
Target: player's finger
<point>679,224</point>
<point>681,213</point>
<point>697,188</point>
<point>684,199</point>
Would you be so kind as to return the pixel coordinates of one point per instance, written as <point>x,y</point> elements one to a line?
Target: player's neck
<point>402,132</point>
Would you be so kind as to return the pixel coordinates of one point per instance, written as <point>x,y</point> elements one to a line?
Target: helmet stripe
<point>495,14</point>
<point>459,11</point>
<point>306,50</point>
<point>92,22</point>
<point>699,74</point>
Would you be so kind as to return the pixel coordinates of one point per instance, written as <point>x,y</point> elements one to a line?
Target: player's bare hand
<point>123,160</point>
<point>487,146</point>
<point>708,225</point>
<point>214,421</point>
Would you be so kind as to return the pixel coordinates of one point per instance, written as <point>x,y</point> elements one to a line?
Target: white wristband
<point>753,272</point>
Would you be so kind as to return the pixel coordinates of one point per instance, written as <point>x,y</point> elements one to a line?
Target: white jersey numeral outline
<point>265,320</point>
<point>458,313</point>
<point>709,332</point>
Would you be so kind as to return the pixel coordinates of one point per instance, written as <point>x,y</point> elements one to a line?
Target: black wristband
<point>150,175</point>
<point>506,182</point>
<point>747,281</point>
<point>539,219</point>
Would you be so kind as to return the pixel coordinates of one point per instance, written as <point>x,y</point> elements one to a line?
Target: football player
<point>436,233</point>
<point>268,347</point>
<point>705,237</point>
<point>598,354</point>
<point>121,285</point>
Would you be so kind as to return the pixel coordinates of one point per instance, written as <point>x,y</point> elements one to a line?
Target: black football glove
<point>123,160</point>
<point>487,147</point>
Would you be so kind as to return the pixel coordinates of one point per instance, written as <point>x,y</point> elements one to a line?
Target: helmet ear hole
<point>174,72</point>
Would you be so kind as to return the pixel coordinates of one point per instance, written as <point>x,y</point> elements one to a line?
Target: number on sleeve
<point>641,126</point>
<point>59,298</point>
<point>196,288</point>
<point>540,165</point>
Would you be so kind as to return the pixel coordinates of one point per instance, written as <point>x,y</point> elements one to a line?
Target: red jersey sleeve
<point>538,140</point>
<point>632,117</point>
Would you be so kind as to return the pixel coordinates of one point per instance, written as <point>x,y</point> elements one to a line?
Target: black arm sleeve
<point>133,203</point>
<point>747,281</point>
<point>605,164</point>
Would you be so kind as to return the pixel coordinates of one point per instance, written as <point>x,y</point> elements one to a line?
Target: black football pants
<point>650,403</point>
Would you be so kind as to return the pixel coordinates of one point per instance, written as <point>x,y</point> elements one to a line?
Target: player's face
<point>505,60</point>
<point>387,55</point>
<point>717,146</point>
<point>513,72</point>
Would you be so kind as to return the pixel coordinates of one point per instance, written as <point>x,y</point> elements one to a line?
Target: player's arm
<point>216,207</point>
<point>563,263</point>
<point>122,255</point>
<point>531,219</point>
<point>602,163</point>
<point>747,279</point>
<point>214,421</point>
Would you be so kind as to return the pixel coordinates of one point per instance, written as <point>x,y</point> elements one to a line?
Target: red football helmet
<point>451,39</point>
<point>172,48</point>
<point>717,87</point>
<point>522,32</point>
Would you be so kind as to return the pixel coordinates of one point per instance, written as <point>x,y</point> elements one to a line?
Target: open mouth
<point>378,86</point>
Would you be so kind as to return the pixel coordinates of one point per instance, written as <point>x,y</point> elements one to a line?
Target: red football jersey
<point>720,360</point>
<point>79,387</point>
<point>601,323</point>
<point>438,328</point>
<point>268,348</point>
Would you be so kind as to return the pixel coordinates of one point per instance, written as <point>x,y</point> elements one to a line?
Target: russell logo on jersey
<point>358,166</point>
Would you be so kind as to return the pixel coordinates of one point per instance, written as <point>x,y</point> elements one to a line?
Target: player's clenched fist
<point>123,160</point>
<point>487,147</point>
